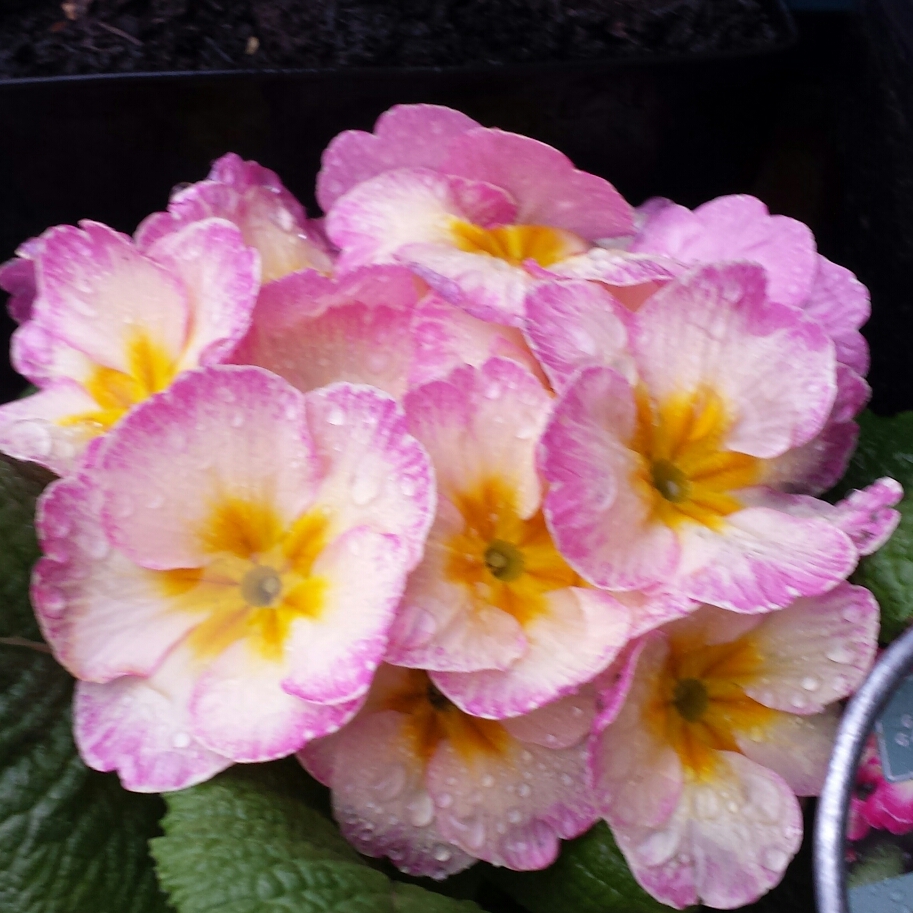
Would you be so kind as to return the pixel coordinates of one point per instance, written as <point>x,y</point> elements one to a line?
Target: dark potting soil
<point>50,37</point>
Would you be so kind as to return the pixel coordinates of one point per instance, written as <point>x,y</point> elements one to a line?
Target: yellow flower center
<point>149,370</point>
<point>517,243</point>
<point>433,718</point>
<point>699,703</point>
<point>257,582</point>
<point>684,473</point>
<point>502,559</point>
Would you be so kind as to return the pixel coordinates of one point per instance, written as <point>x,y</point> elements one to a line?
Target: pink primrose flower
<point>713,727</point>
<point>221,577</point>
<point>112,325</point>
<point>416,779</point>
<point>271,220</point>
<point>672,239</point>
<point>494,611</point>
<point>658,466</point>
<point>469,209</point>
<point>878,803</point>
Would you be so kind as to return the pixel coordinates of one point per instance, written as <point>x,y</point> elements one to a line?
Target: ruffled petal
<point>406,136</point>
<point>141,728</point>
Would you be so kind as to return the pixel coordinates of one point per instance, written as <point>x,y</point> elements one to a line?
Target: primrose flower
<point>112,325</point>
<point>657,467</point>
<point>717,722</point>
<point>416,779</point>
<point>222,575</point>
<point>468,210</point>
<point>494,610</point>
<point>271,220</point>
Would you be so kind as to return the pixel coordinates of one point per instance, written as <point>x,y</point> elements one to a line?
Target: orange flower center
<point>517,243</point>
<point>683,472</point>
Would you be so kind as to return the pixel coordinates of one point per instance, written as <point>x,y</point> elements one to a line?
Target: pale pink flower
<point>222,576</point>
<point>271,220</point>
<point>416,779</point>
<point>494,611</point>
<point>713,726</point>
<point>661,468</point>
<point>469,209</point>
<point>112,325</point>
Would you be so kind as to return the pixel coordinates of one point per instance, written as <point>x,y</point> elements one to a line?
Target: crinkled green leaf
<point>20,485</point>
<point>590,876</point>
<point>889,575</point>
<point>71,840</point>
<point>885,449</point>
<point>248,842</point>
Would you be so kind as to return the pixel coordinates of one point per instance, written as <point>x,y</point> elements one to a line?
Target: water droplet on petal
<point>707,805</point>
<point>365,487</point>
<point>774,858</point>
<point>810,683</point>
<point>391,783</point>
<point>237,419</point>
<point>492,391</point>
<point>515,816</point>
<point>421,810</point>
<point>180,740</point>
<point>852,614</point>
<point>442,854</point>
<point>475,836</point>
<point>798,701</point>
<point>407,487</point>
<point>488,781</point>
<point>524,790</point>
<point>28,438</point>
<point>840,653</point>
<point>336,416</point>
<point>444,800</point>
<point>567,779</point>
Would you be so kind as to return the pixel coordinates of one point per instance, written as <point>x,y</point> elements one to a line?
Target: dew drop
<point>798,701</point>
<point>421,811</point>
<point>567,779</point>
<point>733,806</point>
<point>524,790</point>
<point>774,859</point>
<point>514,816</point>
<point>488,781</point>
<point>378,362</point>
<point>852,614</point>
<point>444,800</point>
<point>526,756</point>
<point>336,416</point>
<point>392,783</point>
<point>180,740</point>
<point>365,487</point>
<point>810,683</point>
<point>840,653</point>
<point>407,487</point>
<point>236,420</point>
<point>493,391</point>
<point>442,854</point>
<point>28,439</point>
<point>476,835</point>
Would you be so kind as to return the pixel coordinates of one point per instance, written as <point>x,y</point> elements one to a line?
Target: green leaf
<point>248,842</point>
<point>885,449</point>
<point>889,575</point>
<point>590,876</point>
<point>20,485</point>
<point>71,840</point>
<point>882,861</point>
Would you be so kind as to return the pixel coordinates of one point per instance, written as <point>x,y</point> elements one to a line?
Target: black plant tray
<point>111,147</point>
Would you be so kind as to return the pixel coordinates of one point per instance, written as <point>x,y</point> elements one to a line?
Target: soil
<point>51,38</point>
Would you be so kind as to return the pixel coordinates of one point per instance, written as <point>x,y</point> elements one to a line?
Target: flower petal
<point>578,635</point>
<point>141,728</point>
<point>380,800</point>
<point>574,325</point>
<point>715,329</point>
<point>406,136</point>
<point>234,431</point>
<point>816,651</point>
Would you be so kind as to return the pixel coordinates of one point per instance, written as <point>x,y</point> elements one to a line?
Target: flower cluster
<point>492,498</point>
